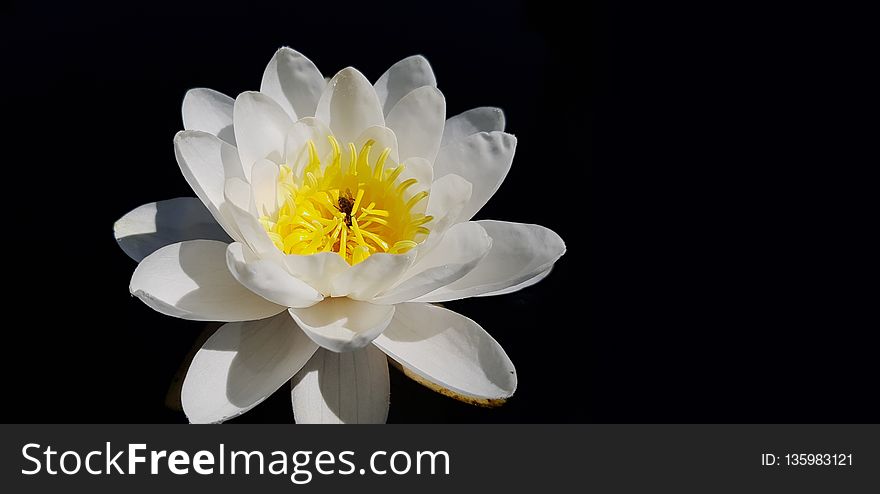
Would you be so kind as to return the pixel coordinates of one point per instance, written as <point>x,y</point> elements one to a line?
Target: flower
<point>330,216</point>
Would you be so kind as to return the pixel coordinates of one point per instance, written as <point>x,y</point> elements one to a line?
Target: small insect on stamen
<point>345,205</point>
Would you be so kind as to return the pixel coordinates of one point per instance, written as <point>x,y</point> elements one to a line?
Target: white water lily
<point>330,215</point>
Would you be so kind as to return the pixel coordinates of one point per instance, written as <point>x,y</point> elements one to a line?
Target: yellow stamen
<point>355,212</point>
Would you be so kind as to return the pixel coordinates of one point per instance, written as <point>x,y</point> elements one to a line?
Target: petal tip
<point>493,402</point>
<point>418,61</point>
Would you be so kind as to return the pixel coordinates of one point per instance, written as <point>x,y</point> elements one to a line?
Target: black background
<point>688,156</point>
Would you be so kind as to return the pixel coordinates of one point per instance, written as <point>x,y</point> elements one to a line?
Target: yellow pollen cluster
<point>349,206</point>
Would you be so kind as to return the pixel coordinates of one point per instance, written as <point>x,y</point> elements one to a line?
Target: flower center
<point>350,206</point>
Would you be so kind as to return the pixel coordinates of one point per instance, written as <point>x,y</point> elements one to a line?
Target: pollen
<point>352,203</point>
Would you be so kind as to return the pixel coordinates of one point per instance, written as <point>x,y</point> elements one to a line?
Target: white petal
<point>296,150</point>
<point>384,138</point>
<point>420,169</point>
<point>268,278</point>
<point>463,246</point>
<point>401,78</point>
<point>294,82</point>
<point>190,280</point>
<point>147,228</point>
<point>342,388</point>
<point>349,105</point>
<point>371,276</point>
<point>418,120</point>
<point>449,195</point>
<point>241,365</point>
<point>260,129</point>
<point>525,284</point>
<point>318,270</point>
<point>206,162</point>
<point>449,353</point>
<point>209,111</point>
<point>238,192</point>
<point>241,209</point>
<point>482,119</point>
<point>264,185</point>
<point>483,160</point>
<point>343,324</point>
<point>519,253</point>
